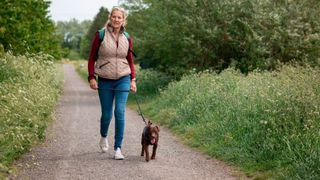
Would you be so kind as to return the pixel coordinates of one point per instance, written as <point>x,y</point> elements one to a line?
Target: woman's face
<point>116,19</point>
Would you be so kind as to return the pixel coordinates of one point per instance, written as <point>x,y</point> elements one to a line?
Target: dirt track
<point>71,150</point>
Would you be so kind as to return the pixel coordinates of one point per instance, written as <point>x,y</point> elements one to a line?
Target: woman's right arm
<point>93,56</point>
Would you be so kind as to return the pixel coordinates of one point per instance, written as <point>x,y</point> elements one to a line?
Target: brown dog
<point>150,136</point>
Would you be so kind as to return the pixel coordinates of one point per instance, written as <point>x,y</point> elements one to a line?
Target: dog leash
<point>140,112</point>
<point>136,98</point>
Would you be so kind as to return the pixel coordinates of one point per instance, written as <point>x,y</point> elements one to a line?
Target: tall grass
<point>29,88</point>
<point>266,121</point>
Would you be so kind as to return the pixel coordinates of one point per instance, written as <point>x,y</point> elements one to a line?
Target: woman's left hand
<point>133,86</point>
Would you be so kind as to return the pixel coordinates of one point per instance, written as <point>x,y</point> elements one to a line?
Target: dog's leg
<point>146,148</point>
<point>154,150</point>
<point>142,145</point>
<point>142,151</point>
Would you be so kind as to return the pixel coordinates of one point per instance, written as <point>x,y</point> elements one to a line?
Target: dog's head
<point>152,133</point>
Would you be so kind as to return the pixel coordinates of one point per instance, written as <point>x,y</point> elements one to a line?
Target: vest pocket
<point>124,68</point>
<point>104,64</point>
<point>124,65</point>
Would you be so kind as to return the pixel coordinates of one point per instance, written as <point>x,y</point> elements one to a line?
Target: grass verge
<point>29,89</point>
<point>266,121</point>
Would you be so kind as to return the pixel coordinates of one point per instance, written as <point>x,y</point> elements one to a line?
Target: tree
<point>176,36</point>
<point>71,34</point>
<point>26,27</point>
<point>99,21</point>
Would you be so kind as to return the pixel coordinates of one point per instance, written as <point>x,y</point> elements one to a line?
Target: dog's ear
<point>158,129</point>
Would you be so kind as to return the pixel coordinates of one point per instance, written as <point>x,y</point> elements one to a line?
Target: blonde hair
<point>124,13</point>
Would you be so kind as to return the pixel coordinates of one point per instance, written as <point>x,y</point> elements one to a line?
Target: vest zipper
<point>117,74</point>
<point>117,43</point>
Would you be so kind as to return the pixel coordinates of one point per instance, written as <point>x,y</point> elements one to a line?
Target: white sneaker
<point>118,155</point>
<point>104,145</point>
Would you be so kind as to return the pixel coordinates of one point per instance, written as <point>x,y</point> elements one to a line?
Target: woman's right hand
<point>93,84</point>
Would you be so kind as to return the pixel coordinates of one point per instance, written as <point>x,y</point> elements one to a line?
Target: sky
<point>64,10</point>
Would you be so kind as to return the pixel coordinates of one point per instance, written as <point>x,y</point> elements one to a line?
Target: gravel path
<point>71,150</point>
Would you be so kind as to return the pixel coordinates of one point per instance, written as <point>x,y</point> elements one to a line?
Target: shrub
<point>150,82</point>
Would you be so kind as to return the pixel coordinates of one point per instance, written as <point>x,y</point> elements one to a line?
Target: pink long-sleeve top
<point>94,54</point>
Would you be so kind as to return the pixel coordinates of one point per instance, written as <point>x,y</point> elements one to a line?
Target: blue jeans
<point>117,91</point>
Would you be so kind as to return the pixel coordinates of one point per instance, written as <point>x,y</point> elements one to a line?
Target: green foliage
<point>74,55</point>
<point>150,82</point>
<point>25,27</point>
<point>99,21</point>
<point>82,68</point>
<point>85,48</point>
<point>71,34</point>
<point>176,36</point>
<point>265,121</point>
<point>29,88</point>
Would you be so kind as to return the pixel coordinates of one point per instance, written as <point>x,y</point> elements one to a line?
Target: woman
<point>112,62</point>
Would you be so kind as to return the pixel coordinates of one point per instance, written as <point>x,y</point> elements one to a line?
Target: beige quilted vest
<point>112,62</point>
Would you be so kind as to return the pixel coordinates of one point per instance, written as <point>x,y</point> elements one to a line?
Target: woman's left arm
<point>130,60</point>
<point>133,86</point>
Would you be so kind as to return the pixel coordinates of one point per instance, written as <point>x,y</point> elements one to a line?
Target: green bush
<point>266,121</point>
<point>175,36</point>
<point>29,88</point>
<point>150,82</point>
<point>74,55</point>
